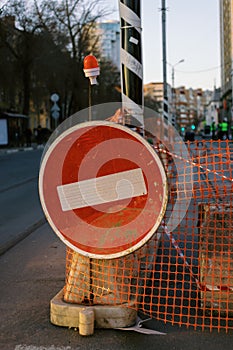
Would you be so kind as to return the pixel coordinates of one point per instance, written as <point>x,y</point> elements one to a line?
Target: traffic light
<point>193,127</point>
<point>183,128</point>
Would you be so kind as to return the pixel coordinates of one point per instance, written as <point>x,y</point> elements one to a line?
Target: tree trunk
<point>26,89</point>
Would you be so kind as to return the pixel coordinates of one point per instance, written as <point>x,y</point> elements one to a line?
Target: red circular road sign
<point>103,189</point>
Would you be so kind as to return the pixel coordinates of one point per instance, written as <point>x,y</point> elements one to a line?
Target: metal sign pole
<point>165,96</point>
<point>131,61</point>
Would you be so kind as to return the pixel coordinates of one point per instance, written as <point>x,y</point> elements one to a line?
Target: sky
<point>192,35</point>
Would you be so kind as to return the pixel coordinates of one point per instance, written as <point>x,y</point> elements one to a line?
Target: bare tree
<point>42,47</point>
<point>17,36</point>
<point>108,88</point>
<point>71,23</point>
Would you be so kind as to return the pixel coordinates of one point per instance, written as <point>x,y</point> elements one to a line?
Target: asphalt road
<point>20,207</point>
<point>33,271</point>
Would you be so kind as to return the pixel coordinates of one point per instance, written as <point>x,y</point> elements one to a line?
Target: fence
<point>184,274</point>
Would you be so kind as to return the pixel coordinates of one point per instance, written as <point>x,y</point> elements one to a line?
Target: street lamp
<point>173,90</point>
<point>173,72</point>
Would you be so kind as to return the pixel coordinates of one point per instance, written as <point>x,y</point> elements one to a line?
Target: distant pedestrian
<point>28,137</point>
<point>213,130</point>
<point>231,133</point>
<point>17,136</point>
<point>224,129</point>
<point>219,131</point>
<point>39,135</point>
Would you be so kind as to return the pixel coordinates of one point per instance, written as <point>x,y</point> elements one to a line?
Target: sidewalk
<point>10,150</point>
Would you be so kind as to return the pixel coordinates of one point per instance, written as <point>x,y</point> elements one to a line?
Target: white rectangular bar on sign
<point>103,189</point>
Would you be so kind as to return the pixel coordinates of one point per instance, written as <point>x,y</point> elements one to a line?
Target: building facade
<point>188,105</point>
<point>108,33</point>
<point>226,45</point>
<point>212,108</point>
<point>154,91</point>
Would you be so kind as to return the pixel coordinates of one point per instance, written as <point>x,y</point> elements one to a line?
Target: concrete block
<point>106,316</point>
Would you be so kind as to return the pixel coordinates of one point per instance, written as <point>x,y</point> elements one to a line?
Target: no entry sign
<point>103,189</point>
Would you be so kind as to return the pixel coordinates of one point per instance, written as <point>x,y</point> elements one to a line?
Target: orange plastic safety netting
<point>184,273</point>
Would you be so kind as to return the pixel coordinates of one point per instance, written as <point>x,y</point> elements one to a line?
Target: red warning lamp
<point>91,68</point>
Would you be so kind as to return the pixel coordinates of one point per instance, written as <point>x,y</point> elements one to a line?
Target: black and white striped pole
<point>165,94</point>
<point>131,62</point>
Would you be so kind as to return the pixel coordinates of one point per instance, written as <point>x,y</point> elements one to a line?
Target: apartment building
<point>188,105</point>
<point>108,33</point>
<point>226,43</point>
<point>154,91</point>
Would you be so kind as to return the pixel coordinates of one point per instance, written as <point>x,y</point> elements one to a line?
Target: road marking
<point>33,347</point>
<point>102,190</point>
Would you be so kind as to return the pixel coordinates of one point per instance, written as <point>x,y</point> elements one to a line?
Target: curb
<point>20,149</point>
